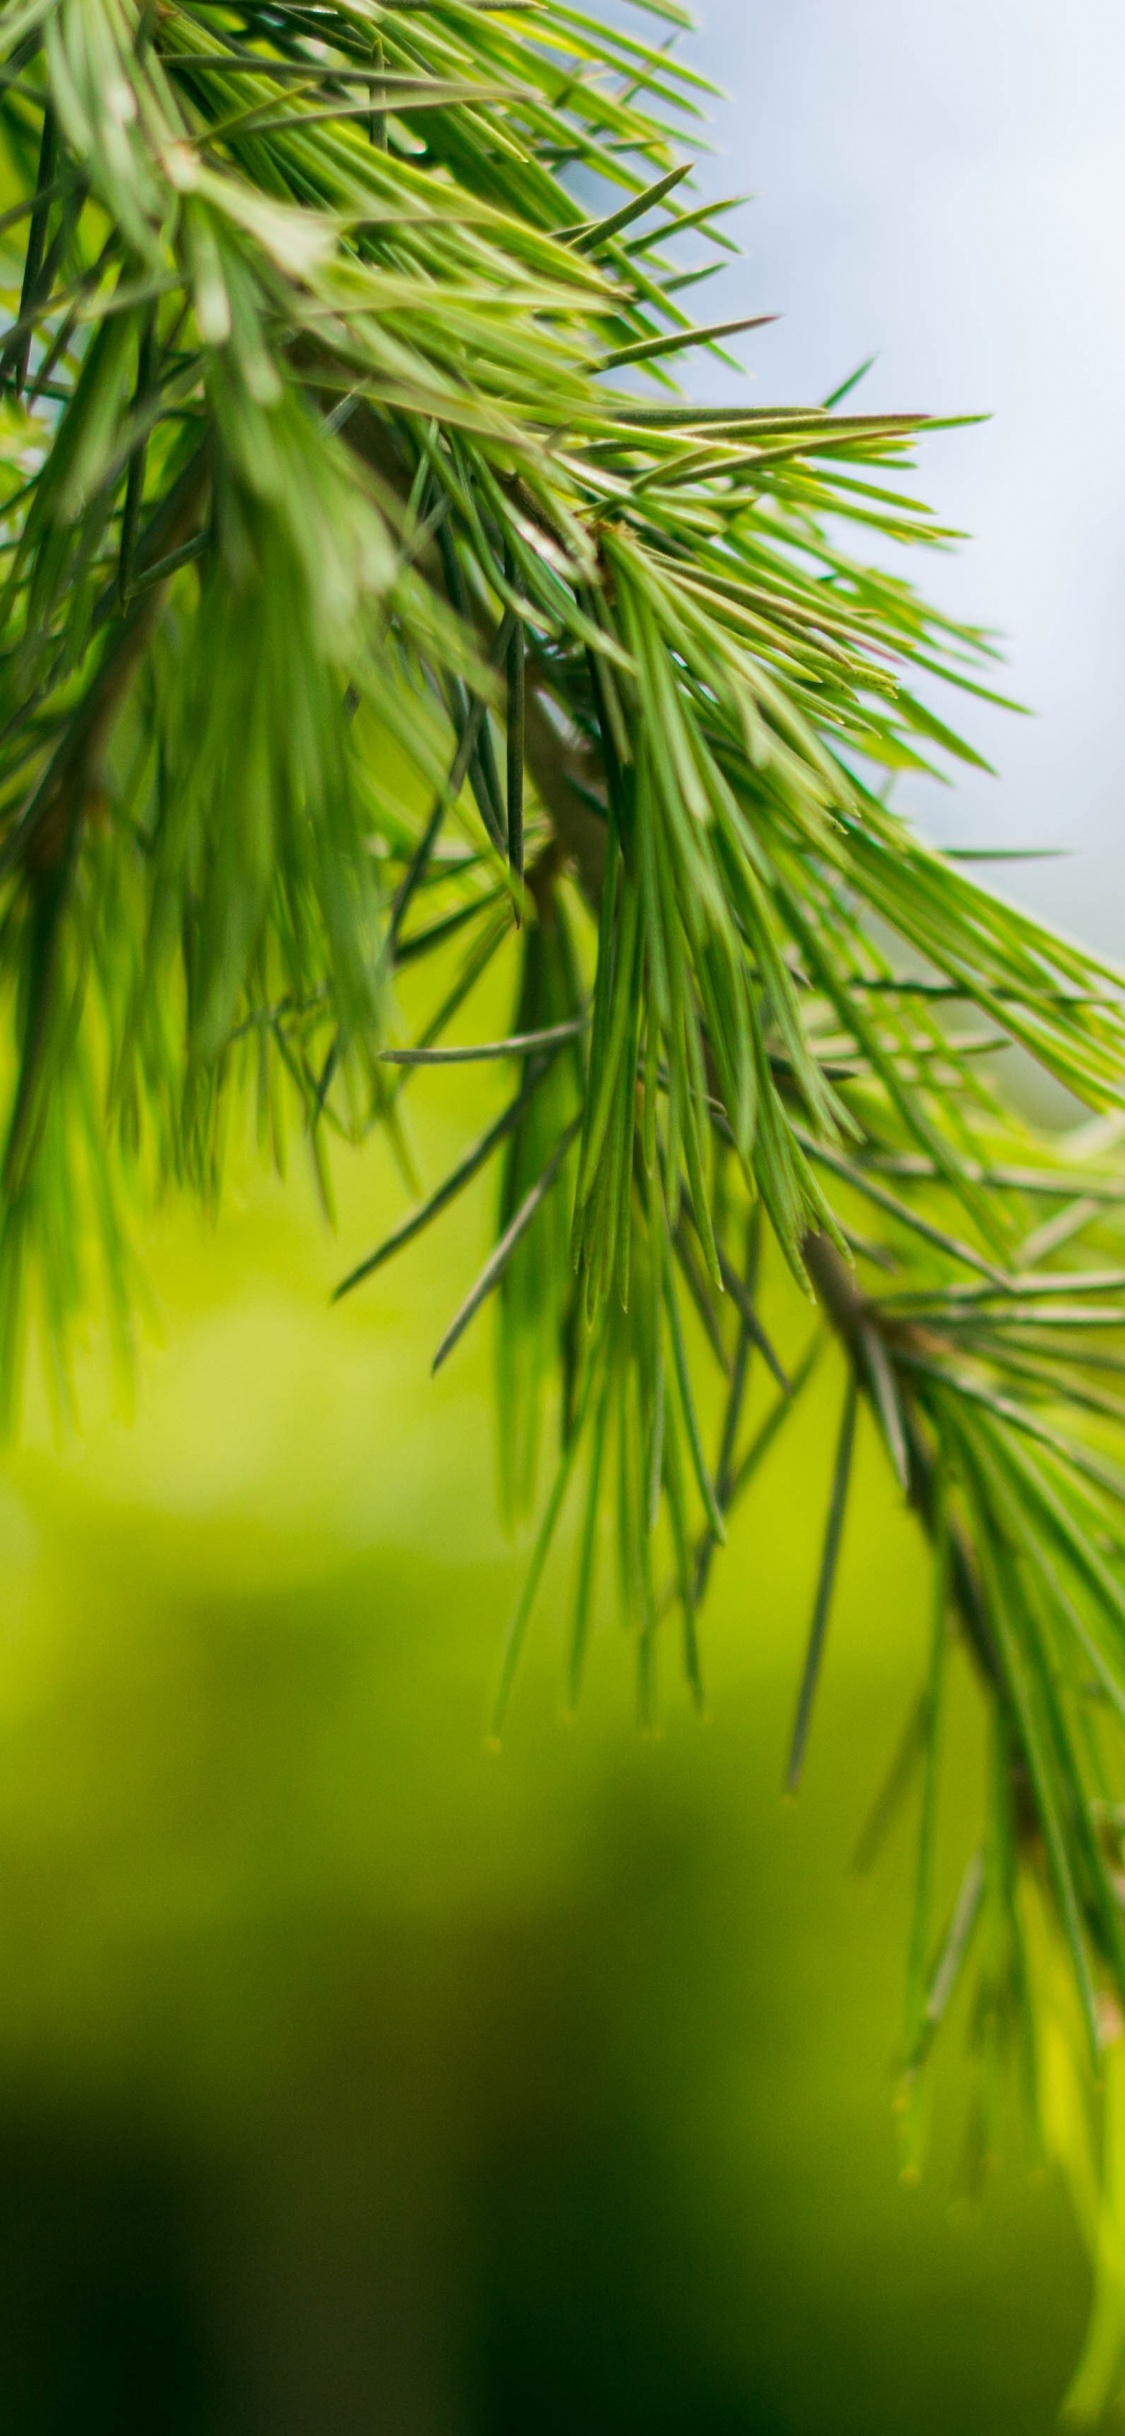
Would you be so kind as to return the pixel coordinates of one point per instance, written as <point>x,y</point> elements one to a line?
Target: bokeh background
<point>352,2078</point>
<point>944,188</point>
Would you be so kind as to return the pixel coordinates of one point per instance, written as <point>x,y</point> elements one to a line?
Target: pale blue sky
<point>945,185</point>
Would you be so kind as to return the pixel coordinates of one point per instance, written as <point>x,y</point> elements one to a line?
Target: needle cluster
<point>371,599</point>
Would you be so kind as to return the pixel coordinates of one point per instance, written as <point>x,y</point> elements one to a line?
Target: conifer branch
<point>334,536</point>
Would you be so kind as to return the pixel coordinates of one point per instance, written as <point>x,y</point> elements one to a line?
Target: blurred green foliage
<point>353,2078</point>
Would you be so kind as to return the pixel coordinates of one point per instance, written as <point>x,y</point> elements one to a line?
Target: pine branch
<point>330,532</point>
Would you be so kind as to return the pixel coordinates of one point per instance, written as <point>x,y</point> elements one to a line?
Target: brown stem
<point>42,836</point>
<point>562,765</point>
<point>851,1314</point>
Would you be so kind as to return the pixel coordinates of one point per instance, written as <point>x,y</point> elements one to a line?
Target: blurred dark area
<point>353,2079</point>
